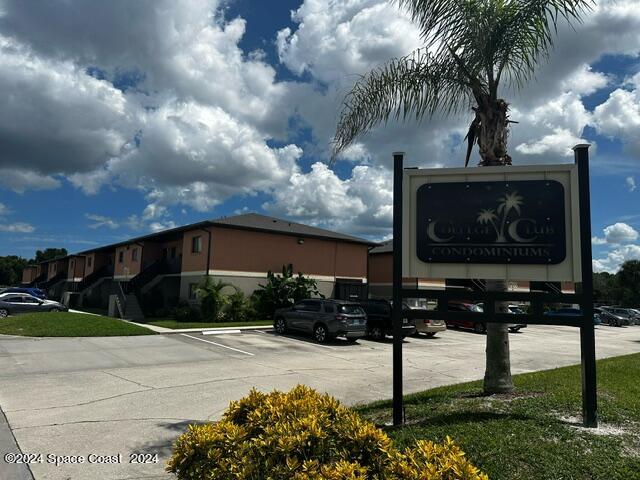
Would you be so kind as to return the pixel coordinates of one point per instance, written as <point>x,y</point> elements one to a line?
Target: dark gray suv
<point>324,319</point>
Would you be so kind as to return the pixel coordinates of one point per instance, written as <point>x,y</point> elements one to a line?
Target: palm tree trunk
<point>494,130</point>
<point>493,150</point>
<point>497,376</point>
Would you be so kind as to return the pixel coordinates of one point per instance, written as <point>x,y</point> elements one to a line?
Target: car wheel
<point>54,309</point>
<point>280,326</point>
<point>376,333</point>
<point>431,334</point>
<point>320,333</point>
<point>352,339</point>
<point>479,328</point>
<point>4,313</point>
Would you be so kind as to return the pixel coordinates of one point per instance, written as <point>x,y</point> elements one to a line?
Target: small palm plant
<point>212,300</point>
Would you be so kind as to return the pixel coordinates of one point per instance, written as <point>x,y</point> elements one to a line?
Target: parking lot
<point>124,395</point>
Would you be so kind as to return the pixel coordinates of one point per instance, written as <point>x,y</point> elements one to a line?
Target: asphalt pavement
<point>117,403</point>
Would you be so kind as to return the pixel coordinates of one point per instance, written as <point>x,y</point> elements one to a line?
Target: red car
<point>476,326</point>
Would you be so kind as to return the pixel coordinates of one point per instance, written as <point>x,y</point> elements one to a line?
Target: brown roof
<point>385,247</point>
<point>255,221</point>
<point>248,221</point>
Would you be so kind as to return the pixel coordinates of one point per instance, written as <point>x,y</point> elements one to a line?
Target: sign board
<point>513,223</point>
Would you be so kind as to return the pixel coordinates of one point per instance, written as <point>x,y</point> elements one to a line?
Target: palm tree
<point>470,48</point>
<point>212,300</point>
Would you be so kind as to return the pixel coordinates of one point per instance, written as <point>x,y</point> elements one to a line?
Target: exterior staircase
<point>132,310</point>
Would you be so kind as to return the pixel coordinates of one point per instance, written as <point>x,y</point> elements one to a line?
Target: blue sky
<point>150,115</point>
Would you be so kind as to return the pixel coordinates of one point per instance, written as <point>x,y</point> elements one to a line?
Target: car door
<point>31,304</point>
<point>309,313</point>
<point>14,303</point>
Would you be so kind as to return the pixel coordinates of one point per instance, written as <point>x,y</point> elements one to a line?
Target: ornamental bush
<point>303,435</point>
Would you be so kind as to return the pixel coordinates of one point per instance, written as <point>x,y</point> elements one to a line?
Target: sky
<point>123,117</point>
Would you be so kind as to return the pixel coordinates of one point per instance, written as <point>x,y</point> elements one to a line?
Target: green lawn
<point>65,324</point>
<point>522,436</point>
<point>167,323</point>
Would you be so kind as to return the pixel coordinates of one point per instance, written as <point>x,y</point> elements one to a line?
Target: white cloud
<point>619,233</point>
<point>22,180</point>
<point>614,259</point>
<point>18,227</point>
<point>631,183</point>
<point>598,241</point>
<point>361,204</point>
<point>101,221</point>
<point>4,210</point>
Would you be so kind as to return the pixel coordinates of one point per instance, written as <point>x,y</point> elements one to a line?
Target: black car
<point>379,322</point>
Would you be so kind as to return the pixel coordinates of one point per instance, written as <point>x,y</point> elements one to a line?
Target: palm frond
<point>528,32</point>
<point>417,85</point>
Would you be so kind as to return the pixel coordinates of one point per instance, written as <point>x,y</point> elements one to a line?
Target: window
<point>351,309</point>
<point>120,256</point>
<point>329,308</point>
<point>193,287</point>
<point>55,267</point>
<point>13,299</point>
<point>309,306</point>
<point>196,244</point>
<point>173,252</point>
<point>31,300</point>
<point>134,255</point>
<point>89,259</point>
<point>72,264</point>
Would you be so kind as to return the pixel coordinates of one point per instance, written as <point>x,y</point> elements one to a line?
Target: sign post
<point>530,223</point>
<point>587,333</point>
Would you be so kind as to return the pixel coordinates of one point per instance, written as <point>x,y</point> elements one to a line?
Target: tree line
<point>11,266</point>
<point>621,288</point>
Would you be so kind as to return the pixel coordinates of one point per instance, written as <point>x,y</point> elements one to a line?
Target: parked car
<point>379,321</point>
<point>429,326</point>
<point>477,326</point>
<point>614,316</point>
<point>515,309</point>
<point>15,303</point>
<point>324,319</point>
<point>636,315</point>
<point>36,292</point>
<point>574,312</point>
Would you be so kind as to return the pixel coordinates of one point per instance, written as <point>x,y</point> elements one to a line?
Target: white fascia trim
<point>74,279</point>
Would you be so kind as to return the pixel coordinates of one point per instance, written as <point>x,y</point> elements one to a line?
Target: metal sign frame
<point>536,299</point>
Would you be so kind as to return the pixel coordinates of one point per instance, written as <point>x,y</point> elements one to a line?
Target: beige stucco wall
<point>128,268</point>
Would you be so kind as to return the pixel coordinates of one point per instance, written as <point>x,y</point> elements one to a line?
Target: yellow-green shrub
<point>303,435</point>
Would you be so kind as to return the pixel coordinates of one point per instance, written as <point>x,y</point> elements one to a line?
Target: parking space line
<point>289,339</point>
<point>217,344</point>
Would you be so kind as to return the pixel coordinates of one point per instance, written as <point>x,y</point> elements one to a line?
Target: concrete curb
<point>219,330</point>
<point>9,445</point>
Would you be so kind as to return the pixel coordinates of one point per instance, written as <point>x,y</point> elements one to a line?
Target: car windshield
<point>351,309</point>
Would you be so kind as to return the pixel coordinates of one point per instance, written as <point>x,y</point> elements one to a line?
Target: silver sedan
<point>15,303</point>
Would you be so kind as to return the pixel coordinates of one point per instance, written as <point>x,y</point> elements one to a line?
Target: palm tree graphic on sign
<point>507,203</point>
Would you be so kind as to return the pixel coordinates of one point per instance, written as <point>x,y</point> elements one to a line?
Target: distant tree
<point>605,288</point>
<point>50,254</point>
<point>11,269</point>
<point>629,283</point>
